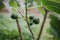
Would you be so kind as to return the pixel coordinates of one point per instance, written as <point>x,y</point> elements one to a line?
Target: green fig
<point>31,23</point>
<point>36,21</point>
<point>31,17</point>
<point>14,16</point>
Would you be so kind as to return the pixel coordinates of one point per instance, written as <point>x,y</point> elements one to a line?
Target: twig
<point>19,29</point>
<point>42,26</point>
<point>20,13</point>
<point>28,21</point>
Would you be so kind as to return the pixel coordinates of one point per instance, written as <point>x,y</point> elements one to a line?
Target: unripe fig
<point>31,17</point>
<point>36,21</point>
<point>31,23</point>
<point>14,16</point>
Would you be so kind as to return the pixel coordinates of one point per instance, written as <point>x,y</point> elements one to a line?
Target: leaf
<point>38,2</point>
<point>14,4</point>
<point>55,25</point>
<point>41,10</point>
<point>39,6</point>
<point>1,6</point>
<point>54,33</point>
<point>53,9</point>
<point>18,4</point>
<point>1,1</point>
<point>52,6</point>
<point>56,1</point>
<point>51,3</point>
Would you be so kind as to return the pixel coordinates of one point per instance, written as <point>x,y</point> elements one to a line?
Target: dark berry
<point>36,21</point>
<point>31,17</point>
<point>14,16</point>
<point>31,23</point>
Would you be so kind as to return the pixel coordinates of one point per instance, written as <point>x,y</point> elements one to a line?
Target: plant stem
<point>20,13</point>
<point>42,26</point>
<point>30,29</point>
<point>19,29</point>
<point>28,21</point>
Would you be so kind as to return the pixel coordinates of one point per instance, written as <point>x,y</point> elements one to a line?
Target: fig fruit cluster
<point>33,20</point>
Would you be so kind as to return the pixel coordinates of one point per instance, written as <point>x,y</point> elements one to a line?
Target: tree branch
<point>19,29</point>
<point>42,26</point>
<point>28,21</point>
<point>20,13</point>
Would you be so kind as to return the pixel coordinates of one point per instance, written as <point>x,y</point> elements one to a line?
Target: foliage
<point>52,6</point>
<point>8,35</point>
<point>49,5</point>
<point>14,4</point>
<point>1,5</point>
<point>9,31</point>
<point>55,26</point>
<point>1,1</point>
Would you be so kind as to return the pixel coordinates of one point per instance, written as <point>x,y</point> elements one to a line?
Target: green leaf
<point>39,6</point>
<point>52,6</point>
<point>18,4</point>
<point>55,24</point>
<point>1,1</point>
<point>56,1</point>
<point>1,6</point>
<point>41,10</point>
<point>14,4</point>
<point>38,2</point>
<point>53,9</point>
<point>51,3</point>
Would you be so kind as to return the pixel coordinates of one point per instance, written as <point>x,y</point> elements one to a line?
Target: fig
<point>31,23</point>
<point>36,21</point>
<point>14,16</point>
<point>31,17</point>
